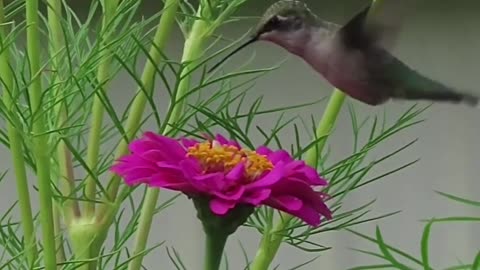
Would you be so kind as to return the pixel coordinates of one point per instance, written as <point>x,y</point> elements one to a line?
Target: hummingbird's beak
<point>248,42</point>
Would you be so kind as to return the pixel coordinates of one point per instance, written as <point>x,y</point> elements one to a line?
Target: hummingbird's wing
<point>379,24</point>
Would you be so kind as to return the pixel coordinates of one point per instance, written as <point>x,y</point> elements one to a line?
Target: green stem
<point>66,178</point>
<point>63,154</point>
<point>214,245</point>
<point>98,109</point>
<point>16,149</point>
<point>86,238</point>
<point>167,20</point>
<point>272,239</point>
<point>325,126</point>
<point>40,138</point>
<point>59,239</point>
<point>192,50</point>
<point>145,223</point>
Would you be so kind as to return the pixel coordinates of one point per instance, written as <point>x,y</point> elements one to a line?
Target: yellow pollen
<point>215,157</point>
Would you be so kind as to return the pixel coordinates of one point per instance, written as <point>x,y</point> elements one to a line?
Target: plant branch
<point>98,109</point>
<point>16,148</point>
<point>66,179</point>
<point>40,136</point>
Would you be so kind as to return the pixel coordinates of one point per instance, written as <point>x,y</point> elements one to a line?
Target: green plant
<point>61,121</point>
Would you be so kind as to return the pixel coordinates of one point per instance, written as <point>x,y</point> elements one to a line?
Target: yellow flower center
<point>215,157</point>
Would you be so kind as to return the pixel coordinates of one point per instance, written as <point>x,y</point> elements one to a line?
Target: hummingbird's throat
<point>295,42</point>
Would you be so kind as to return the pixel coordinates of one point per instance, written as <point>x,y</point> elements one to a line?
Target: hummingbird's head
<point>286,23</point>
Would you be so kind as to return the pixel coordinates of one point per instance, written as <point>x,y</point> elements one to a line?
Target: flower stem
<point>16,148</point>
<point>167,20</point>
<point>40,139</point>
<point>218,228</point>
<point>86,238</point>
<point>192,50</point>
<point>272,239</point>
<point>59,239</point>
<point>214,245</point>
<point>98,109</point>
<point>64,155</point>
<point>325,126</point>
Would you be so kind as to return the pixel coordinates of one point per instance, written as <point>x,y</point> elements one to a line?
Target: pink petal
<point>294,165</point>
<point>169,175</point>
<point>221,207</point>
<point>256,197</point>
<point>168,145</point>
<point>209,182</point>
<point>129,161</point>
<point>222,140</point>
<point>269,179</point>
<point>309,215</point>
<point>236,173</point>
<point>302,191</point>
<point>311,176</point>
<point>280,155</point>
<point>136,175</point>
<point>162,182</point>
<point>188,142</point>
<point>154,155</point>
<point>305,213</point>
<point>168,166</point>
<point>190,167</point>
<point>231,195</point>
<point>263,150</point>
<point>141,145</point>
<point>290,203</point>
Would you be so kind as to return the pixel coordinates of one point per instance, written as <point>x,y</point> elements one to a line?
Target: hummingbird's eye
<point>274,22</point>
<point>277,22</point>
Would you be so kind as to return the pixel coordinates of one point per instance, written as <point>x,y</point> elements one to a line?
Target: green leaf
<point>374,266</point>
<point>386,252</point>
<point>389,247</point>
<point>459,199</point>
<point>425,245</point>
<point>476,262</point>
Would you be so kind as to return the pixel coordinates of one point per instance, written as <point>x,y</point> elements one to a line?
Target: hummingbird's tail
<point>471,100</point>
<point>443,94</point>
<point>419,87</point>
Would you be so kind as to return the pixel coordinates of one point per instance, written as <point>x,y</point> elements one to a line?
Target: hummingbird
<point>352,57</point>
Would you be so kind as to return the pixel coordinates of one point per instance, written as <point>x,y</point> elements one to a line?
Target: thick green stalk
<point>66,177</point>
<point>40,139</point>
<point>272,239</point>
<point>87,237</point>
<point>59,239</point>
<point>64,155</point>
<point>325,126</point>
<point>167,20</point>
<point>193,49</point>
<point>98,109</point>
<point>214,245</point>
<point>16,149</point>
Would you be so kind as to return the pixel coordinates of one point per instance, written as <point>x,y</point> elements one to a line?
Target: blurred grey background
<point>441,39</point>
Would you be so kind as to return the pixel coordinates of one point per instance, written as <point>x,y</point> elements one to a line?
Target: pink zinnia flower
<point>227,173</point>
